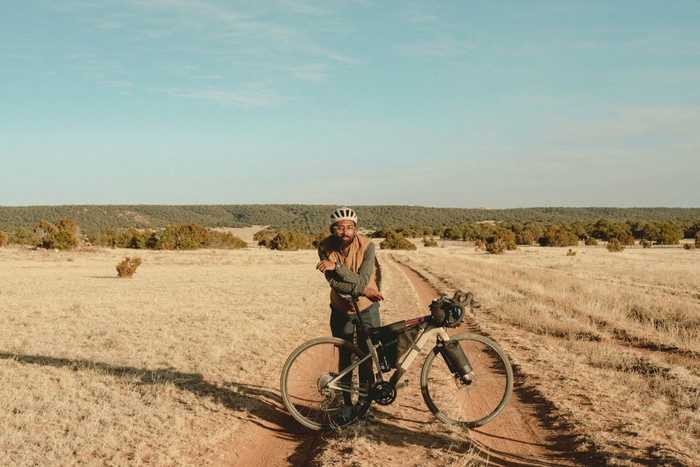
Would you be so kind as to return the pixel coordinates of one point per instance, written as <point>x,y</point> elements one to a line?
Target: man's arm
<point>343,280</point>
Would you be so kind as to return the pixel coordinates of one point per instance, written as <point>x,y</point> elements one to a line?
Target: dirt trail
<point>519,437</point>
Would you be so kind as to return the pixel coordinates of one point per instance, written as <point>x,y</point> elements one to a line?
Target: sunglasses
<point>341,229</point>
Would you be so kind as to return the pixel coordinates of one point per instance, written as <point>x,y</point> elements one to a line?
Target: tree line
<point>65,234</point>
<point>310,219</point>
<point>493,236</point>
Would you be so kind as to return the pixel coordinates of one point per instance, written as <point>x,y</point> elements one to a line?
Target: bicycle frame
<point>428,334</point>
<point>455,392</point>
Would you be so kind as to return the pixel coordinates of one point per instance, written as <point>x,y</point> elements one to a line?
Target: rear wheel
<point>473,400</point>
<point>305,384</point>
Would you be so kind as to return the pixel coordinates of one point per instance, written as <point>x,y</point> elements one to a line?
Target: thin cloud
<point>312,73</point>
<point>670,123</point>
<point>675,76</point>
<point>243,99</point>
<point>444,46</point>
<point>110,25</point>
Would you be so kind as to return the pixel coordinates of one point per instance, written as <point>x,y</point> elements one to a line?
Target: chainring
<point>383,393</point>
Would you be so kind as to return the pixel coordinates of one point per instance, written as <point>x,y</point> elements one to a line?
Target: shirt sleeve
<point>343,280</point>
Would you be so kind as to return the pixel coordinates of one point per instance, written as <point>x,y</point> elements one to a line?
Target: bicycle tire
<point>477,403</point>
<point>304,379</point>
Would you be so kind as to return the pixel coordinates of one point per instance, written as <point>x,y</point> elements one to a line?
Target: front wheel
<point>306,386</point>
<point>475,399</point>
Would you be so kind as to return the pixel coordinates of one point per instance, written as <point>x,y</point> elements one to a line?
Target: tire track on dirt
<point>523,435</point>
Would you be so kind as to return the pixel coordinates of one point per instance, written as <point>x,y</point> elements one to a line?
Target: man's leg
<point>371,318</point>
<point>342,327</point>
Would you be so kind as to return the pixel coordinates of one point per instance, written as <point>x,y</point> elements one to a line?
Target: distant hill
<point>313,218</point>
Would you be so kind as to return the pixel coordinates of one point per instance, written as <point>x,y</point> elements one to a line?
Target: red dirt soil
<point>523,435</point>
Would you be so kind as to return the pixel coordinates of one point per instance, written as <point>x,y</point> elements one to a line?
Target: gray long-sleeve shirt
<point>345,281</point>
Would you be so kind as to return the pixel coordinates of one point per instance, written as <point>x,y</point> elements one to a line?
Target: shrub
<point>3,239</point>
<point>501,241</point>
<point>127,268</point>
<point>225,241</point>
<point>559,236</point>
<point>591,241</point>
<point>62,240</point>
<point>24,236</point>
<point>396,241</point>
<point>495,245</point>
<point>625,238</point>
<point>286,240</point>
<point>429,242</point>
<point>615,245</point>
<point>318,238</point>
<point>264,237</point>
<point>571,252</point>
<point>168,238</point>
<point>108,237</point>
<point>67,224</point>
<point>697,240</point>
<point>524,237</point>
<point>132,238</point>
<point>689,246</point>
<point>192,237</point>
<point>645,243</point>
<point>60,235</point>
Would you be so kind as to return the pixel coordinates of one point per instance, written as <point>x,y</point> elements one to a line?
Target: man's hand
<point>373,295</point>
<point>325,265</point>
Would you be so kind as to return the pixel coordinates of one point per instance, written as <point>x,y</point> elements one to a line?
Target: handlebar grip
<point>462,298</point>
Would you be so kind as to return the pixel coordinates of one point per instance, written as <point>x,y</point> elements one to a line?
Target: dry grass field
<point>160,369</point>
<point>612,340</point>
<point>180,364</point>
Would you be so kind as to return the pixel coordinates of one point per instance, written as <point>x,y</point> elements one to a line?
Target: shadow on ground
<point>264,407</point>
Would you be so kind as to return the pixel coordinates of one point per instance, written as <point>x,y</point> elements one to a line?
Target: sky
<point>431,103</point>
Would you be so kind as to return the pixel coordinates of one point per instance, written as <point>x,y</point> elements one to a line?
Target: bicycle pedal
<point>401,385</point>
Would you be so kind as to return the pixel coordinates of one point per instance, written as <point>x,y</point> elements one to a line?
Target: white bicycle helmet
<point>343,214</point>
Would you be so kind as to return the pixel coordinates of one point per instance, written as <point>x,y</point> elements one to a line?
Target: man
<point>347,261</point>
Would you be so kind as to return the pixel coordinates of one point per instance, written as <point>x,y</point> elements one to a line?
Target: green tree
<point>670,233</point>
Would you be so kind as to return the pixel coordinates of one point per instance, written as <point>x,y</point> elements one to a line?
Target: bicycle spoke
<point>476,401</point>
<point>306,382</point>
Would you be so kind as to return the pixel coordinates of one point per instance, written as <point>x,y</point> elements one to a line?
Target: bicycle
<point>469,386</point>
